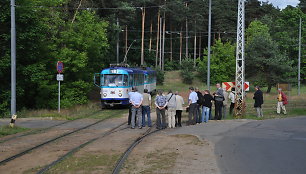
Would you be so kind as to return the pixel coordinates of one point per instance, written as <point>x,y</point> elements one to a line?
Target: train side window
<point>125,80</point>
<point>131,76</point>
<point>146,79</point>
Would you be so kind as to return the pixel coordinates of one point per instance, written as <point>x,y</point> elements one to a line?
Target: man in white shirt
<point>232,99</point>
<point>192,101</point>
<point>136,101</point>
<point>130,105</point>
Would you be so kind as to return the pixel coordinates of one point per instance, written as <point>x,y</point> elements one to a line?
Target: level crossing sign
<point>228,85</point>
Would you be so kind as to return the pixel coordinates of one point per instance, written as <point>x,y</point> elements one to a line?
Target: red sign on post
<point>60,67</point>
<point>228,85</point>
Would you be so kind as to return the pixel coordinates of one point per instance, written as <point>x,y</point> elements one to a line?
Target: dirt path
<point>163,153</point>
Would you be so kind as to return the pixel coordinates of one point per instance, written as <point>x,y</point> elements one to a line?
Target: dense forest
<point>84,34</point>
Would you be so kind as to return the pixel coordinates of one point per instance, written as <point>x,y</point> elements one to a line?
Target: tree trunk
<point>269,88</point>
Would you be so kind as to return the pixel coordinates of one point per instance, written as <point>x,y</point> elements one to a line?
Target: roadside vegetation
<point>295,107</point>
<point>6,130</point>
<point>89,110</point>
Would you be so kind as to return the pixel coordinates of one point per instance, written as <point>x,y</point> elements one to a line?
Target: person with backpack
<point>171,109</point>
<point>219,98</point>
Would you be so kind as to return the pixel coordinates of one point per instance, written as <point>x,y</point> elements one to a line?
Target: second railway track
<point>26,151</point>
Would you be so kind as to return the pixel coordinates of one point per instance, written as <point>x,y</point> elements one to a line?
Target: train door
<point>97,79</point>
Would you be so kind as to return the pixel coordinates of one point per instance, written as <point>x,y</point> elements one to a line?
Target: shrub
<point>160,77</point>
<point>186,71</point>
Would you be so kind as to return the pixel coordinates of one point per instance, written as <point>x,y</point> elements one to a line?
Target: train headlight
<point>120,95</point>
<point>104,94</point>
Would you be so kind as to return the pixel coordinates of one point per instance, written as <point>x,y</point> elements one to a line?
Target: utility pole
<point>200,40</point>
<point>195,45</point>
<point>239,89</point>
<point>299,65</point>
<point>160,43</point>
<point>171,43</point>
<point>164,32</point>
<point>126,39</point>
<point>157,38</point>
<point>181,45</point>
<point>150,42</point>
<point>208,49</point>
<point>13,65</point>
<point>142,35</point>
<point>118,41</point>
<point>186,35</point>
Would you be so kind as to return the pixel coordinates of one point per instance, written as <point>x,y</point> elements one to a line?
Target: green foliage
<point>172,65</point>
<point>160,76</point>
<point>45,36</point>
<point>256,28</point>
<point>6,130</point>
<point>284,31</point>
<point>187,70</point>
<point>222,63</point>
<point>267,66</point>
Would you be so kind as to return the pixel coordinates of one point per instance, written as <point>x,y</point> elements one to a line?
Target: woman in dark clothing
<point>258,97</point>
<point>206,106</point>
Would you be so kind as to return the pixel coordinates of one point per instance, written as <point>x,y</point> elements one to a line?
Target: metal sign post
<point>59,78</point>
<point>13,65</point>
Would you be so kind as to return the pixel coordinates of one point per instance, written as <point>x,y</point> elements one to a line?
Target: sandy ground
<point>181,153</point>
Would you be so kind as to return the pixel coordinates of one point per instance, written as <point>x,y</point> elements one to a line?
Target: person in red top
<point>281,102</point>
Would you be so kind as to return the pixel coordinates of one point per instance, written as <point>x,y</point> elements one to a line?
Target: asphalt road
<point>264,147</point>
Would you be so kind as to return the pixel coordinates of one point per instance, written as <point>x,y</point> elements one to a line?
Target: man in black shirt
<point>258,97</point>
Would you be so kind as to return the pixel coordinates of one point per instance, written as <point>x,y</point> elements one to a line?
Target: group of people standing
<point>281,101</point>
<point>199,106</point>
<point>140,109</point>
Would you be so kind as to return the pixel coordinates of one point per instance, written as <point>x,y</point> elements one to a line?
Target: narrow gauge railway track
<point>72,151</point>
<point>34,132</point>
<point>125,155</point>
<point>41,130</point>
<point>49,141</point>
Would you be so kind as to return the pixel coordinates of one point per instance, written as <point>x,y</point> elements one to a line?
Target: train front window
<point>114,80</point>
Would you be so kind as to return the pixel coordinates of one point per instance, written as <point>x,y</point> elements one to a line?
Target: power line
<point>89,8</point>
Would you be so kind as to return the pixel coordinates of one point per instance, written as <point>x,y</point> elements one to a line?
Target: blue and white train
<point>117,81</point>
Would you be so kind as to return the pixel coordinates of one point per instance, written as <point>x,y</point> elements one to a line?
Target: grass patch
<point>100,163</point>
<point>193,140</point>
<point>154,162</point>
<point>90,110</point>
<point>6,130</point>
